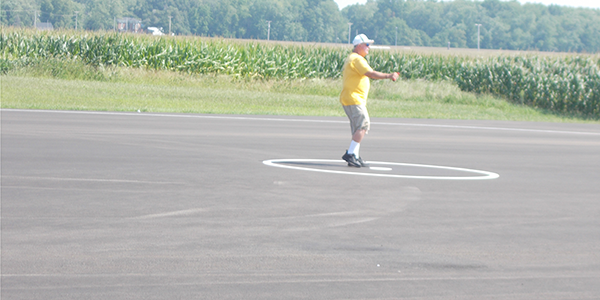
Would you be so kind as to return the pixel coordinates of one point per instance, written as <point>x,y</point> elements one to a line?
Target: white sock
<point>354,148</point>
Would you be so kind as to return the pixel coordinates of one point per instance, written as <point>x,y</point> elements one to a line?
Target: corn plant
<point>565,84</point>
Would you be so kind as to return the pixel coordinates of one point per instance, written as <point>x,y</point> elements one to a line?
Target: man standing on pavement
<point>354,94</point>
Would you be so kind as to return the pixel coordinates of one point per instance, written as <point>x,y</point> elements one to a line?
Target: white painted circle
<point>484,174</point>
<point>380,168</point>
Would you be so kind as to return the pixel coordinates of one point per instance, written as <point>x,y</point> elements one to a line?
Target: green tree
<point>17,12</point>
<point>98,15</point>
<point>506,24</point>
<point>58,12</point>
<point>200,19</point>
<point>544,38</point>
<point>361,17</point>
<point>46,10</point>
<point>322,20</point>
<point>590,35</point>
<point>284,19</point>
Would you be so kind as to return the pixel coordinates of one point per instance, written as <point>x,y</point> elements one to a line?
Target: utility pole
<point>35,19</point>
<point>268,30</point>
<point>396,43</point>
<point>170,17</point>
<point>349,32</point>
<point>76,12</point>
<point>478,32</point>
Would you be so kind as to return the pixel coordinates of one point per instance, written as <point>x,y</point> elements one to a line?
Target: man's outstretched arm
<point>379,75</point>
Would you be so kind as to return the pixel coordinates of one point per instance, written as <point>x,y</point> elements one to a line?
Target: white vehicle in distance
<point>155,31</point>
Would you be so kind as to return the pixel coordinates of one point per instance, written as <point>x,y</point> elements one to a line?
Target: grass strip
<point>127,89</point>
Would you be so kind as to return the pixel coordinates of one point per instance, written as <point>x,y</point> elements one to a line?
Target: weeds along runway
<point>173,206</point>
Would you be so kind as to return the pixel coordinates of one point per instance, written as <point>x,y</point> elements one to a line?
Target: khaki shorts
<point>359,117</point>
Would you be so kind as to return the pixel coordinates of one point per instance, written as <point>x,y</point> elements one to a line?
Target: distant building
<point>44,26</point>
<point>129,25</point>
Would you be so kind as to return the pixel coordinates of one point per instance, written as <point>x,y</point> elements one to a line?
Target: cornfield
<point>564,84</point>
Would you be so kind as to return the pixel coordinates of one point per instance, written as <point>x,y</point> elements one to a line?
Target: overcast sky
<point>575,3</point>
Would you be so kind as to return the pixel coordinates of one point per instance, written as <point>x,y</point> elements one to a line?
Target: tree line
<point>503,24</point>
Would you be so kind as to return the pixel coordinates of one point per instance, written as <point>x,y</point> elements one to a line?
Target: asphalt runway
<point>181,206</point>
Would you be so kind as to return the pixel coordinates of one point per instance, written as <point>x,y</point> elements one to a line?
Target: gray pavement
<point>157,206</point>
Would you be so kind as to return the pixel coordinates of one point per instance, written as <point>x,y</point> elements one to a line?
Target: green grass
<point>565,84</point>
<point>71,85</point>
<point>60,94</point>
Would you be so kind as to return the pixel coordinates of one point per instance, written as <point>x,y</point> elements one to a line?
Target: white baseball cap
<point>361,39</point>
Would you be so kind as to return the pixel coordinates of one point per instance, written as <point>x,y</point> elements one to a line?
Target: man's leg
<point>359,135</point>
<point>351,156</point>
<point>359,123</point>
<point>355,143</point>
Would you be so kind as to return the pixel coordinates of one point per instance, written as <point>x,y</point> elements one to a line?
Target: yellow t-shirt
<point>356,84</point>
